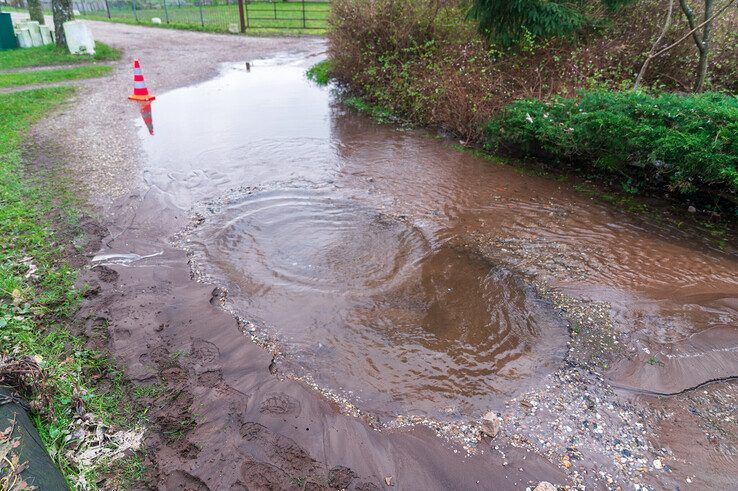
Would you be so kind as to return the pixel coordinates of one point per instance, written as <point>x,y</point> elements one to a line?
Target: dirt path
<point>220,419</point>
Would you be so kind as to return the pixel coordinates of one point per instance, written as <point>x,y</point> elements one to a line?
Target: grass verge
<point>38,299</point>
<point>53,55</point>
<point>51,76</point>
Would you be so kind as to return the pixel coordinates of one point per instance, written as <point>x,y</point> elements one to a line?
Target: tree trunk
<point>34,9</point>
<point>62,10</point>
<point>699,83</point>
<point>702,42</point>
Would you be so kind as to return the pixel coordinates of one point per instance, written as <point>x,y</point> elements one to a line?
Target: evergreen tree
<point>507,21</point>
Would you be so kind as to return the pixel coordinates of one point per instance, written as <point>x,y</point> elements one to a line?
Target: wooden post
<point>202,19</point>
<point>241,17</point>
<point>166,11</point>
<point>304,24</point>
<point>107,7</point>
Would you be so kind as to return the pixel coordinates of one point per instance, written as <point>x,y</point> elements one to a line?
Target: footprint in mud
<point>281,450</point>
<point>251,431</point>
<point>183,480</point>
<point>260,475</point>
<point>122,334</point>
<point>106,274</point>
<point>291,457</point>
<point>175,420</point>
<point>173,375</point>
<point>188,450</point>
<point>341,477</point>
<point>156,356</point>
<point>280,404</point>
<point>211,378</point>
<point>203,352</point>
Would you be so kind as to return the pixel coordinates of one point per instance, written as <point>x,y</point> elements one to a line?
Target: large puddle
<point>340,238</point>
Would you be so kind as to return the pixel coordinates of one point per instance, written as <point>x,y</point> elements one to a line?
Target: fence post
<point>107,8</point>
<point>135,14</point>
<point>304,24</point>
<point>202,19</point>
<point>166,12</point>
<point>241,18</point>
<point>274,4</point>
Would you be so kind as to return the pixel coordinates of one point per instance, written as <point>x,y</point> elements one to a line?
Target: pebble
<point>545,486</point>
<point>490,424</point>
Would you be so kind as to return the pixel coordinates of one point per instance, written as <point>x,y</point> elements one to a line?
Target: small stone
<point>657,464</point>
<point>388,481</point>
<point>545,486</point>
<point>490,424</point>
<point>692,209</point>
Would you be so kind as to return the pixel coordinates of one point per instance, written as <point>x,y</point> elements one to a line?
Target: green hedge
<point>687,143</point>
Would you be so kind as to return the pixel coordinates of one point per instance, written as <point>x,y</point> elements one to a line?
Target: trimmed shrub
<point>687,143</point>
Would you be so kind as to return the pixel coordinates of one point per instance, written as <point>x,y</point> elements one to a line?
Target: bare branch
<point>667,24</point>
<point>712,17</point>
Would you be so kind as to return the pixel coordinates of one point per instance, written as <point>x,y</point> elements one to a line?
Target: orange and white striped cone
<point>140,92</point>
<point>146,115</point>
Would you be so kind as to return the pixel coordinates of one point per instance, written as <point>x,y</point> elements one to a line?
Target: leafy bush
<point>687,143</point>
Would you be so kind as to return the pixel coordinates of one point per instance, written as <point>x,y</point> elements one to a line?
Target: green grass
<point>51,76</point>
<point>260,17</point>
<point>37,293</point>
<point>53,55</point>
<point>380,114</point>
<point>320,73</point>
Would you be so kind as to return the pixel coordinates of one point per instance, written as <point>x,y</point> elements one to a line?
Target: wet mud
<point>316,298</point>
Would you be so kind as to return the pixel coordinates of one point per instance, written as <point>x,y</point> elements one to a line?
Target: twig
<point>667,24</point>
<point>713,16</point>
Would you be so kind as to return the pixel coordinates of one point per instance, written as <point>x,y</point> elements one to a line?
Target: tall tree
<point>62,11</point>
<point>34,10</point>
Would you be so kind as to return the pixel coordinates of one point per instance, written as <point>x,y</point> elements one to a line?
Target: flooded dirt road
<point>383,280</point>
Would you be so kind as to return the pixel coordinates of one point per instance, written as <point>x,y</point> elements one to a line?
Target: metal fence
<point>213,15</point>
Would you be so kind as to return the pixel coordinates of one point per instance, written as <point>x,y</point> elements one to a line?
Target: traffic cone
<point>140,92</point>
<point>146,115</point>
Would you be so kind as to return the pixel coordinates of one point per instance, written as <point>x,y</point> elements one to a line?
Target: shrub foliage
<point>686,142</point>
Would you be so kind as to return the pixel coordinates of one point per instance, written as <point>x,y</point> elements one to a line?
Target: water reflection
<point>145,109</point>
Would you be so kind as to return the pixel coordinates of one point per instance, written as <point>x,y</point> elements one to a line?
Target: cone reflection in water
<point>146,115</point>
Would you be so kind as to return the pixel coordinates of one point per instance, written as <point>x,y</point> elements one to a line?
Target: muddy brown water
<point>338,238</point>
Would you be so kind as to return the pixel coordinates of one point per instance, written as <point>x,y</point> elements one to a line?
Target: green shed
<point>7,36</point>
